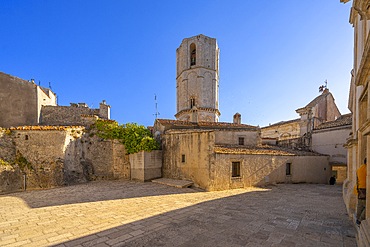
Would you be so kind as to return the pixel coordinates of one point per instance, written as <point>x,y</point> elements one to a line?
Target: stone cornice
<point>197,67</point>
<point>200,109</point>
<point>351,142</point>
<point>365,128</point>
<point>364,68</point>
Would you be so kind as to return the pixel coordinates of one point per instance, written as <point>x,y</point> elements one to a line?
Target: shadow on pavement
<point>93,192</point>
<point>286,215</point>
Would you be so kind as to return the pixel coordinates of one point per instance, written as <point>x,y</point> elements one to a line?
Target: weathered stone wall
<point>146,165</point>
<point>45,149</point>
<point>10,177</point>
<point>18,101</point>
<point>188,155</point>
<point>288,130</point>
<point>266,169</point>
<point>7,145</point>
<point>66,115</point>
<point>53,156</point>
<point>231,137</point>
<point>121,162</point>
<point>21,101</point>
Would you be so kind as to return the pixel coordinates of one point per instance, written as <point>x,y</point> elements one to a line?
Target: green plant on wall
<point>135,137</point>
<point>4,163</point>
<point>19,161</point>
<point>22,162</point>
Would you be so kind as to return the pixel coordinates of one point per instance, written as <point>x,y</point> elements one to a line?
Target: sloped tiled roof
<point>318,99</point>
<point>209,125</point>
<point>261,150</point>
<point>341,121</point>
<point>282,123</point>
<point>45,128</point>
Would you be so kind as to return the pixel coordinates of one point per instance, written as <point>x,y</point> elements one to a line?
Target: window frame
<point>288,169</point>
<point>235,169</point>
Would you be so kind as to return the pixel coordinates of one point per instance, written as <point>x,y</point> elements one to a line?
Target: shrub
<point>135,137</point>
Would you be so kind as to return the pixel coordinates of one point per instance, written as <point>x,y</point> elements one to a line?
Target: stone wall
<point>283,131</point>
<point>66,115</point>
<point>188,155</point>
<point>331,142</point>
<point>52,156</point>
<point>18,101</point>
<point>21,101</point>
<point>231,137</point>
<point>267,169</point>
<point>146,165</point>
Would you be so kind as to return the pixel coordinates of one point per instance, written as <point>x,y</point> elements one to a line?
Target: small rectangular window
<point>288,169</point>
<point>241,140</point>
<point>235,169</point>
<point>183,158</point>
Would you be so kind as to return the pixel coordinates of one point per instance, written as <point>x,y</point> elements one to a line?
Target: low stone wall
<point>146,165</point>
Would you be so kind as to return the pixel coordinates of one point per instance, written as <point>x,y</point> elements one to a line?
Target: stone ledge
<point>173,182</point>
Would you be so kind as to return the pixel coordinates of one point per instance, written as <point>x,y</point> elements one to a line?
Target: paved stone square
<point>126,213</point>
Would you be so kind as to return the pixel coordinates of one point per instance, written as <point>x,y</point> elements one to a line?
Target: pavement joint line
<point>139,213</point>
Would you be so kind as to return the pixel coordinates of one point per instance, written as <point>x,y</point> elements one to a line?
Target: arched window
<point>193,54</point>
<point>192,103</point>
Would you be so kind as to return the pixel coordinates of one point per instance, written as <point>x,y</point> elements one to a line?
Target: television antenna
<point>156,114</point>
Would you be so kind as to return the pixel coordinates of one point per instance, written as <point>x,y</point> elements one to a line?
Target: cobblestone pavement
<point>126,213</point>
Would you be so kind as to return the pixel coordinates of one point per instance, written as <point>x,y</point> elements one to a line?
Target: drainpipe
<point>24,181</point>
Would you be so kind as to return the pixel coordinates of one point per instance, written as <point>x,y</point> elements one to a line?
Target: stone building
<point>24,103</point>
<point>197,79</point>
<point>297,133</point>
<point>321,128</point>
<point>358,144</point>
<point>75,114</point>
<point>217,155</point>
<point>21,101</point>
<point>330,138</point>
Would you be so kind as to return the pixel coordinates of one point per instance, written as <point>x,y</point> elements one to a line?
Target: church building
<point>218,155</point>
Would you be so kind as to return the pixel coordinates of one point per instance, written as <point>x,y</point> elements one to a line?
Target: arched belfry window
<point>193,54</point>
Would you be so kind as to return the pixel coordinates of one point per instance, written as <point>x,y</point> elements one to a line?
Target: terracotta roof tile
<point>45,128</point>
<point>217,125</point>
<point>261,150</point>
<point>282,123</point>
<point>341,121</point>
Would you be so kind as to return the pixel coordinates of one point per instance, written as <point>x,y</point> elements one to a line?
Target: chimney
<point>237,118</point>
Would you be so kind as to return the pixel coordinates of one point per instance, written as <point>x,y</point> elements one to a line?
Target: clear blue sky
<point>274,55</point>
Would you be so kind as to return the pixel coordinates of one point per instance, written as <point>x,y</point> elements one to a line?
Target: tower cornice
<point>196,67</point>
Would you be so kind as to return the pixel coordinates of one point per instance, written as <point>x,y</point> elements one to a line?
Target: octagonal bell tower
<point>197,79</point>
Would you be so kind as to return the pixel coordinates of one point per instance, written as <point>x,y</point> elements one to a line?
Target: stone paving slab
<point>126,213</point>
<point>173,182</point>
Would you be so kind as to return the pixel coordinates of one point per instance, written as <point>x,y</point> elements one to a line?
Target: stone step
<point>173,182</point>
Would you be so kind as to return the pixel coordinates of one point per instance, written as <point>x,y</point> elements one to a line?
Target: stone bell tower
<point>197,79</point>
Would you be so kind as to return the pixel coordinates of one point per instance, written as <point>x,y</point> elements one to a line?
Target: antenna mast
<point>156,107</point>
